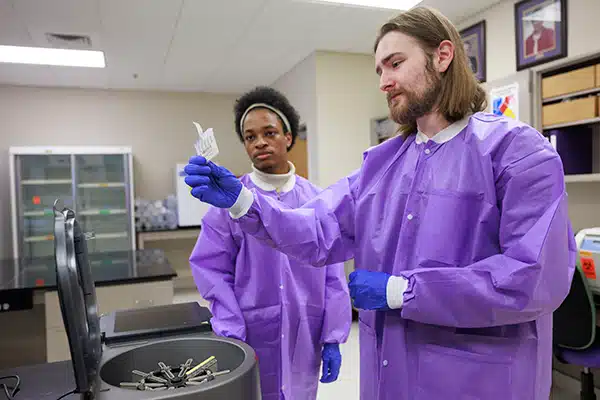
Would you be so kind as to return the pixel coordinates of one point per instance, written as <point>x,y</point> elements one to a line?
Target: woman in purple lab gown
<point>458,227</point>
<point>291,313</point>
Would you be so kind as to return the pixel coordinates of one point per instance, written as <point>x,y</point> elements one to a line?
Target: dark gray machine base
<point>118,362</point>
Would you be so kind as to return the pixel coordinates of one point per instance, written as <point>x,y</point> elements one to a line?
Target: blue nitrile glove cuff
<point>368,289</point>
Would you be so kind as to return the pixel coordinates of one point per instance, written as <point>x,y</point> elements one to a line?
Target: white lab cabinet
<point>190,210</point>
<point>96,182</point>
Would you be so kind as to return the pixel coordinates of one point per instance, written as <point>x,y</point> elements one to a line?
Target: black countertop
<point>42,382</point>
<point>110,268</point>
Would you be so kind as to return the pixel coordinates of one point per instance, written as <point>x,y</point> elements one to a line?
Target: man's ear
<point>445,55</point>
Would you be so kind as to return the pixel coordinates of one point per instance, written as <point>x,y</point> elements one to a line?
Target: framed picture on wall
<point>302,131</point>
<point>540,31</point>
<point>473,39</point>
<point>384,128</point>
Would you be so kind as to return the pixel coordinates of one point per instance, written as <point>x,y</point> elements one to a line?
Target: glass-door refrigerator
<point>96,182</point>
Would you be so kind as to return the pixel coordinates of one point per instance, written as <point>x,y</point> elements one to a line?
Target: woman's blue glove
<point>368,289</point>
<point>211,183</point>
<point>332,362</point>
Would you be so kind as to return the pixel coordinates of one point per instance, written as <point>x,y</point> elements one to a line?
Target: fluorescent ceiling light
<point>388,4</point>
<point>46,56</point>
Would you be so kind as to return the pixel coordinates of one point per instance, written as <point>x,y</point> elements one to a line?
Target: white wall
<point>582,25</point>
<point>157,125</point>
<point>348,97</point>
<point>337,95</point>
<point>300,87</point>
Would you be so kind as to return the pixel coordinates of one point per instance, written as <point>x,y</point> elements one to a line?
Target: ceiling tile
<point>80,77</point>
<point>288,22</point>
<point>206,33</point>
<point>351,28</point>
<point>458,10</point>
<point>13,31</point>
<point>137,37</point>
<point>285,30</point>
<point>58,16</point>
<point>261,70</point>
<point>19,74</point>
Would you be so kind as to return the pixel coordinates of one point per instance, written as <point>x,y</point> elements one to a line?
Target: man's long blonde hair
<point>460,92</point>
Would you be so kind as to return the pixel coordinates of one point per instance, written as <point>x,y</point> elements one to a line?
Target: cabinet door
<point>41,180</point>
<point>298,155</point>
<point>102,201</point>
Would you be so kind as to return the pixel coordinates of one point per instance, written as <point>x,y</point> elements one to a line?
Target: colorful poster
<point>505,101</point>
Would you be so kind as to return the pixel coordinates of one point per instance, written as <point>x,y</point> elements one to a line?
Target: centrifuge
<point>162,352</point>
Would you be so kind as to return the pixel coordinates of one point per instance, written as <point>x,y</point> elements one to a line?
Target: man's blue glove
<point>211,183</point>
<point>368,289</point>
<point>332,362</point>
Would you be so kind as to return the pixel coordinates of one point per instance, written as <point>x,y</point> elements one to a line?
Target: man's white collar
<point>445,134</point>
<point>274,182</point>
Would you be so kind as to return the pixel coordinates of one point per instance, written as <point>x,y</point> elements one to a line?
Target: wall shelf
<point>47,182</point>
<point>46,213</point>
<point>116,235</point>
<point>102,212</point>
<point>101,185</point>
<point>574,123</point>
<point>33,239</point>
<point>582,178</point>
<point>570,95</point>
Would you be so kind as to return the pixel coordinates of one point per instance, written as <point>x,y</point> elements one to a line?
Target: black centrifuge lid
<point>77,297</point>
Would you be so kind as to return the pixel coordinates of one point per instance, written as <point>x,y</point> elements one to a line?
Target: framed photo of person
<point>540,31</point>
<point>473,39</point>
<point>382,129</point>
<point>302,131</point>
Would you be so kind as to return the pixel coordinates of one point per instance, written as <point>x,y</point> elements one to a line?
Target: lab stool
<point>574,332</point>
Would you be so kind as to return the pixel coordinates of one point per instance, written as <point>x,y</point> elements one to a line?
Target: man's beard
<point>417,104</point>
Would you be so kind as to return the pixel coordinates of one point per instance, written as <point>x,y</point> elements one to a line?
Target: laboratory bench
<point>166,234</point>
<point>42,381</point>
<point>177,245</point>
<point>28,294</point>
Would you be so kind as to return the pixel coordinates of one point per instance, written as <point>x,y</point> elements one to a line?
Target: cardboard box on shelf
<point>570,111</point>
<point>570,82</point>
